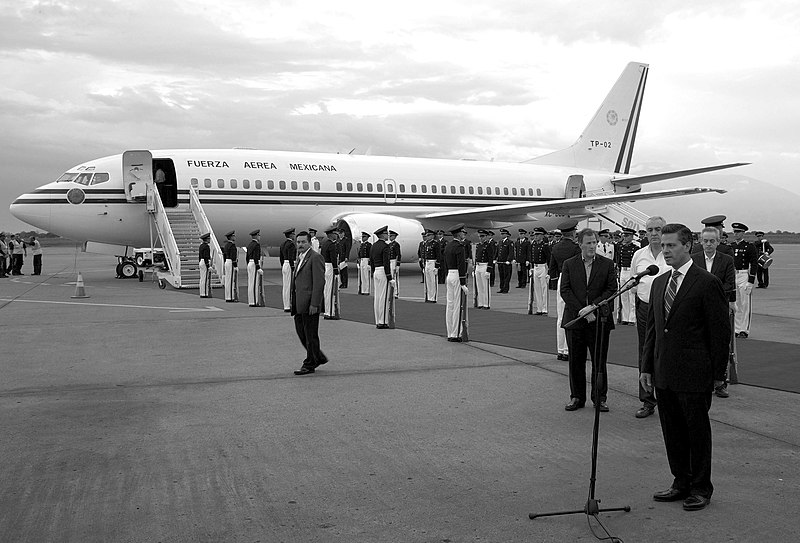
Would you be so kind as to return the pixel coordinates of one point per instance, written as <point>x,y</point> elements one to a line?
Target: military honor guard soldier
<point>421,256</point>
<point>521,249</point>
<point>505,256</point>
<point>484,257</point>
<point>287,257</point>
<point>255,292</point>
<point>763,247</point>
<point>330,254</point>
<point>382,277</point>
<point>745,259</point>
<point>343,244</point>
<point>364,270</point>
<point>561,251</point>
<point>455,258</point>
<point>624,256</point>
<point>394,259</point>
<point>605,247</point>
<point>230,256</point>
<point>312,232</point>
<point>716,221</point>
<point>493,242</point>
<point>539,261</point>
<point>442,269</point>
<point>204,261</point>
<point>431,258</point>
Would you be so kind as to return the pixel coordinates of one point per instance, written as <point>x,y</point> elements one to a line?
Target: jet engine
<point>408,231</point>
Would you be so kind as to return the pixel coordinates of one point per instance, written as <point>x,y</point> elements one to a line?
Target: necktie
<point>672,289</point>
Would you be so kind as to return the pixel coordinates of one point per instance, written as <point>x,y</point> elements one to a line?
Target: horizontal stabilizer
<point>567,206</point>
<point>642,179</point>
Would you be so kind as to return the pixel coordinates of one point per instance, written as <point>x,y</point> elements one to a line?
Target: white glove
<point>465,289</point>
<point>748,288</point>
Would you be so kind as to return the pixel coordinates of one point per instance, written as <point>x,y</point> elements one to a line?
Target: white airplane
<point>102,202</point>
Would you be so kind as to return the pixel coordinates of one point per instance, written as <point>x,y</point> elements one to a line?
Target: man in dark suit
<point>308,283</point>
<point>586,279</point>
<point>684,358</point>
<point>720,266</point>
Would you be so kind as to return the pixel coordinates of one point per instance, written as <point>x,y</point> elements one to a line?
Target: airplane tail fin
<point>607,141</point>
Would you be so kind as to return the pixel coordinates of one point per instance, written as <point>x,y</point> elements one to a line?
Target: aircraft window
<point>402,187</point>
<point>258,184</point>
<point>66,177</point>
<point>349,187</point>
<point>424,188</point>
<point>360,187</point>
<point>444,189</point>
<point>379,187</point>
<point>413,188</point>
<point>84,179</point>
<point>389,187</point>
<point>294,185</point>
<point>369,187</point>
<point>221,183</point>
<point>452,189</point>
<point>207,183</point>
<point>522,191</point>
<point>480,190</point>
<point>245,183</point>
<point>505,191</point>
<point>316,185</point>
<point>282,185</point>
<point>305,185</point>
<point>433,189</point>
<point>538,192</point>
<point>497,191</point>
<point>234,183</point>
<point>514,191</point>
<point>461,190</point>
<point>99,178</point>
<point>338,186</point>
<point>270,184</point>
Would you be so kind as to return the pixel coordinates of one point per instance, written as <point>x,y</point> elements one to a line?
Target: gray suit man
<point>307,287</point>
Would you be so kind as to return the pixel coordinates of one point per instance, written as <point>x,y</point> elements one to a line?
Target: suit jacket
<point>577,293</point>
<point>308,283</point>
<point>688,351</point>
<point>723,269</point>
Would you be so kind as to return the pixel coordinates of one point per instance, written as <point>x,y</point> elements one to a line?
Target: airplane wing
<point>633,180</point>
<point>566,206</point>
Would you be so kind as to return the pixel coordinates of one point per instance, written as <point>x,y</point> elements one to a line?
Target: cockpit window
<point>66,177</point>
<point>83,179</point>
<point>99,178</point>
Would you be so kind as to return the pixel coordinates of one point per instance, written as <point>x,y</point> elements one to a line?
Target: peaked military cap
<point>714,220</point>
<point>206,236</point>
<point>382,230</point>
<point>312,230</point>
<point>331,229</point>
<point>505,231</point>
<point>522,231</point>
<point>482,232</point>
<point>556,232</point>
<point>255,232</point>
<point>365,234</point>
<point>628,231</point>
<point>392,233</point>
<point>231,233</point>
<point>289,231</point>
<point>440,231</point>
<point>429,231</point>
<point>539,230</point>
<point>568,226</point>
<point>759,233</point>
<point>605,232</point>
<point>739,227</point>
<point>490,232</point>
<point>458,228</point>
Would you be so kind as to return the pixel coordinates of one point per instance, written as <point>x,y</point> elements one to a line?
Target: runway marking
<point>171,309</point>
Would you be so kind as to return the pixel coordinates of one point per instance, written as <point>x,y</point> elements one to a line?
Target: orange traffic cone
<point>80,292</point>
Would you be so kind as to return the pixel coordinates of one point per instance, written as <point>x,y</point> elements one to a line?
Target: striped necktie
<point>672,290</point>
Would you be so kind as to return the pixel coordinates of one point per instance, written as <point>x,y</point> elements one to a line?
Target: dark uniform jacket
<point>623,254</point>
<point>521,248</point>
<point>364,250</point>
<point>505,251</point>
<point>764,246</point>
<point>229,252</point>
<point>539,253</point>
<point>559,253</point>
<point>254,253</point>
<point>394,250</point>
<point>455,258</point>
<point>379,256</point>
<point>484,253</point>
<point>745,257</point>
<point>431,251</point>
<point>688,351</point>
<point>723,269</point>
<point>577,292</point>
<point>204,253</point>
<point>288,252</point>
<point>330,254</point>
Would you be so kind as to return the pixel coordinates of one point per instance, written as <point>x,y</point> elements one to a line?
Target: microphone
<point>652,269</point>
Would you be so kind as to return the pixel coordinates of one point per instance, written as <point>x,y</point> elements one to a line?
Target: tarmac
<point>140,414</point>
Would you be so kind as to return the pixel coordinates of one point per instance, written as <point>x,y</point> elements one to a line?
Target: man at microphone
<point>649,255</point>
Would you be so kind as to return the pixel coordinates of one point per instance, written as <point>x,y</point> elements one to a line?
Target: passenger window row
<point>258,184</point>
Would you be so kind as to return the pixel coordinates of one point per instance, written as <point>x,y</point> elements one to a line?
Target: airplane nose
<point>34,209</point>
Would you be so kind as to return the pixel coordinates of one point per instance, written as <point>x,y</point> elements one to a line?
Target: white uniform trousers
<point>561,334</point>
<point>327,293</point>
<point>744,308</point>
<point>205,280</point>
<point>628,299</point>
<point>453,311</point>
<point>431,281</point>
<point>381,303</point>
<point>364,276</point>
<point>286,274</point>
<point>482,284</point>
<point>252,283</point>
<point>540,280</point>
<point>395,276</point>
<point>229,280</point>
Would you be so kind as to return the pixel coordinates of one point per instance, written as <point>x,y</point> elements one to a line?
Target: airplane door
<point>575,188</point>
<point>137,174</point>
<point>165,181</point>
<point>390,191</point>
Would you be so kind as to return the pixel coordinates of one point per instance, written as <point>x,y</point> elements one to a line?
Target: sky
<point>502,80</point>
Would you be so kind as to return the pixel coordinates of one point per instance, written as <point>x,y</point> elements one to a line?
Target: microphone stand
<point>592,506</point>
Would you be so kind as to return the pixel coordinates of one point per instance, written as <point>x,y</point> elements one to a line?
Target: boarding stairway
<point>179,231</point>
<point>615,216</point>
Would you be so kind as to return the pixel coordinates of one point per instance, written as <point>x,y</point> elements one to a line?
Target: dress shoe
<point>721,392</point>
<point>603,407</point>
<point>737,334</point>
<point>743,335</point>
<point>573,405</point>
<point>670,495</point>
<point>645,411</point>
<point>695,502</point>
<point>381,326</point>
<point>560,356</point>
<point>305,370</point>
